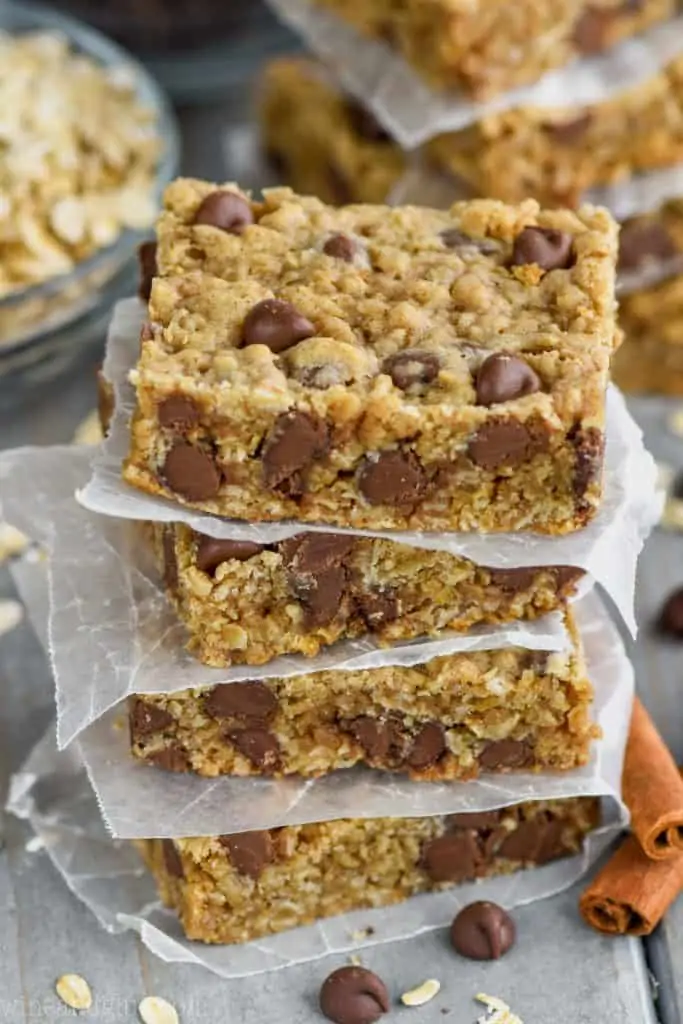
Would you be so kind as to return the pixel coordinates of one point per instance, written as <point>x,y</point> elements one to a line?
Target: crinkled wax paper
<point>113,633</point>
<point>413,113</point>
<point>52,792</point>
<point>608,548</point>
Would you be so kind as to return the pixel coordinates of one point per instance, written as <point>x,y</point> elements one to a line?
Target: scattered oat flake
<point>12,541</point>
<point>155,1010</point>
<point>675,422</point>
<point>11,614</point>
<point>74,991</point>
<point>355,960</point>
<point>89,430</point>
<point>359,934</point>
<point>34,845</point>
<point>498,1011</point>
<point>422,994</point>
<point>672,515</point>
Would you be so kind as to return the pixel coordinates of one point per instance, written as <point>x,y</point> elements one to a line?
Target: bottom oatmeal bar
<point>238,887</point>
<point>451,718</point>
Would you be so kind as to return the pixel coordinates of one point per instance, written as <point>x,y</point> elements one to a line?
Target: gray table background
<point>559,971</point>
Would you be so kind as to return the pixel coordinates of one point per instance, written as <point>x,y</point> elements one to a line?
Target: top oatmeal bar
<point>374,367</point>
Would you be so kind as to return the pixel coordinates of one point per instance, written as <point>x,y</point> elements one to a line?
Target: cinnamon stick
<point>632,892</point>
<point>652,788</point>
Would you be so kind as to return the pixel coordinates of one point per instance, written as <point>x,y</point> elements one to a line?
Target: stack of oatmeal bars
<point>625,151</point>
<point>352,372</point>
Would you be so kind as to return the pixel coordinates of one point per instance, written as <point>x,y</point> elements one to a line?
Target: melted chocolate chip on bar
<point>428,746</point>
<point>482,931</point>
<point>295,441</point>
<point>170,561</point>
<point>147,263</point>
<point>353,995</point>
<point>315,552</point>
<point>507,442</point>
<point>589,446</point>
<point>253,702</point>
<point>225,210</point>
<point>547,248</point>
<point>321,595</point>
<point>211,552</point>
<point>640,241</point>
<point>513,581</point>
<point>172,759</point>
<point>276,324</point>
<point>341,247</point>
<point>411,368</point>
<point>146,719</point>
<point>258,745</point>
<point>392,478</point>
<point>452,857</point>
<point>249,852</point>
<point>383,740</point>
<point>503,377</point>
<point>191,472</point>
<point>505,754</point>
<point>177,412</point>
<point>474,819</point>
<point>537,840</point>
<point>172,860</point>
<point>378,607</point>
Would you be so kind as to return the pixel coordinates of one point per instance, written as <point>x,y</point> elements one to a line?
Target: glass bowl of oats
<point>87,144</point>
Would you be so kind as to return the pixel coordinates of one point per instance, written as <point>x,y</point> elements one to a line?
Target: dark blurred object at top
<point>193,47</point>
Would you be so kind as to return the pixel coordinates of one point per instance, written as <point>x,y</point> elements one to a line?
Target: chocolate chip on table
<point>546,247</point>
<point>411,367</point>
<point>452,857</point>
<point>146,719</point>
<point>191,472</point>
<point>640,241</point>
<point>253,702</point>
<point>172,859</point>
<point>567,133</point>
<point>258,745</point>
<point>170,561</point>
<point>505,754</point>
<point>249,852</point>
<point>315,552</point>
<point>671,615</point>
<point>453,238</point>
<point>177,412</point>
<point>378,607</point>
<point>212,551</point>
<point>172,759</point>
<point>225,210</point>
<point>147,264</point>
<point>482,931</point>
<point>428,746</point>
<point>341,247</point>
<point>392,478</point>
<point>295,441</point>
<point>353,995</point>
<point>503,377</point>
<point>589,447</point>
<point>276,324</point>
<point>507,442</point>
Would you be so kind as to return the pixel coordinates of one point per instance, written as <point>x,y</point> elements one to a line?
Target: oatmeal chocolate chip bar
<point>485,47</point>
<point>238,887</point>
<point>376,367</point>
<point>449,718</point>
<point>247,603</point>
<point>651,358</point>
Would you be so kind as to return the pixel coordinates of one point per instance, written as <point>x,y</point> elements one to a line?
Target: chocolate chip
<point>392,478</point>
<point>295,441</point>
<point>474,819</point>
<point>172,759</point>
<point>315,552</point>
<point>366,124</point>
<point>249,852</point>
<point>172,860</point>
<point>225,210</point>
<point>548,248</point>
<point>147,264</point>
<point>507,442</point>
<point>640,241</point>
<point>383,740</point>
<point>452,238</point>
<point>275,324</point>
<point>258,745</point>
<point>671,615</point>
<point>378,607</point>
<point>146,719</point>
<point>513,581</point>
<point>321,595</point>
<point>482,931</point>
<point>353,995</point>
<point>252,701</point>
<point>177,412</point>
<point>567,133</point>
<point>341,247</point>
<point>452,857</point>
<point>566,578</point>
<point>211,551</point>
<point>503,377</point>
<point>591,31</point>
<point>411,367</point>
<point>536,840</point>
<point>428,746</point>
<point>191,472</point>
<point>589,446</point>
<point>170,561</point>
<point>505,754</point>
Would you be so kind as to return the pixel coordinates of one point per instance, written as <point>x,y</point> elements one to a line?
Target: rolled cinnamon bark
<point>652,789</point>
<point>632,892</point>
